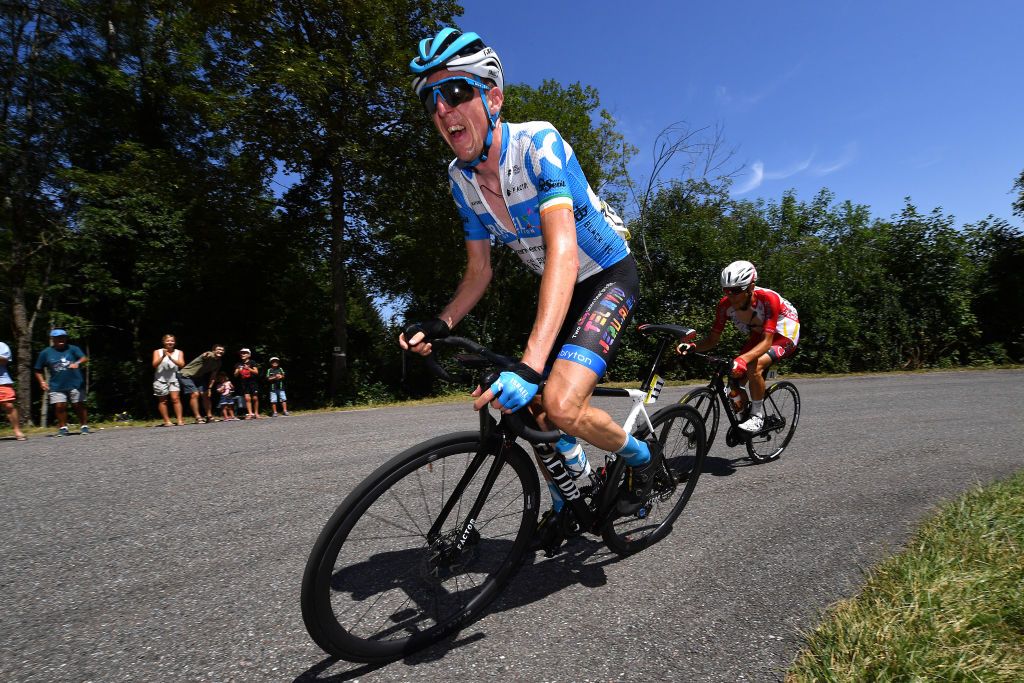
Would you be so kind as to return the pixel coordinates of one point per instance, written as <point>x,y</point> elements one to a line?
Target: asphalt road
<point>177,554</point>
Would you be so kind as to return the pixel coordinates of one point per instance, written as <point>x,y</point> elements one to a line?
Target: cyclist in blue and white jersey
<point>522,186</point>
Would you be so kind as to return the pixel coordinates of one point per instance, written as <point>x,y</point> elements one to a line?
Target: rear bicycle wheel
<point>680,431</point>
<point>705,402</point>
<point>781,415</point>
<point>376,588</point>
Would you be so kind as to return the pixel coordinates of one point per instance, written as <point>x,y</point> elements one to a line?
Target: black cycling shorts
<point>600,307</point>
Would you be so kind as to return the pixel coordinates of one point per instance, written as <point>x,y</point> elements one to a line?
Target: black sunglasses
<point>734,290</point>
<point>455,91</point>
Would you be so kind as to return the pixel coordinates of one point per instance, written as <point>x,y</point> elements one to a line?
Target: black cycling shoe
<point>549,535</point>
<point>640,481</point>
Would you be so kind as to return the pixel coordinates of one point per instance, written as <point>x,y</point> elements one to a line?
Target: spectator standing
<point>275,379</point>
<point>196,379</point>
<point>7,394</point>
<point>167,361</point>
<point>66,383</point>
<point>248,375</point>
<point>226,390</point>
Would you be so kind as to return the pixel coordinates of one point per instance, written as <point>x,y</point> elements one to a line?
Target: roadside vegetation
<point>261,175</point>
<point>948,608</point>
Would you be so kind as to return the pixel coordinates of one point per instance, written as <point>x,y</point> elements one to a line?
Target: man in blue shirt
<point>66,382</point>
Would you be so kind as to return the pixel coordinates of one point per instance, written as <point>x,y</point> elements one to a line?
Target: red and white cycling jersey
<point>768,312</point>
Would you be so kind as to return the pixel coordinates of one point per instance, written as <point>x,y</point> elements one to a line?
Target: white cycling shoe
<point>753,424</point>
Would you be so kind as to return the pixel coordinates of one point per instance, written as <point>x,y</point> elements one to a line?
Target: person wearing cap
<point>275,380</point>
<point>66,383</point>
<point>7,395</point>
<point>196,379</point>
<point>248,375</point>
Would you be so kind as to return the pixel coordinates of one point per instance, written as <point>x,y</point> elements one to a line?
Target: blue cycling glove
<point>516,387</point>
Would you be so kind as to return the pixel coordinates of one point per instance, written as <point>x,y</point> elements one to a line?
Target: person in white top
<point>7,395</point>
<point>167,360</point>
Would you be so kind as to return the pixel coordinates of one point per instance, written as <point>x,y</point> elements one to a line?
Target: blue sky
<point>876,101</point>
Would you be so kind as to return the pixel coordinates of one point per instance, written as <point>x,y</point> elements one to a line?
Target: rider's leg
<point>755,421</point>
<point>755,375</point>
<point>566,401</point>
<point>567,406</point>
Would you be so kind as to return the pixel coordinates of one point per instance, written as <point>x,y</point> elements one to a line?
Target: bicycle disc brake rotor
<point>444,560</point>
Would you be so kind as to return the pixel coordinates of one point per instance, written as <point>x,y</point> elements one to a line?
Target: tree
<point>323,88</point>
<point>32,41</point>
<point>1018,203</point>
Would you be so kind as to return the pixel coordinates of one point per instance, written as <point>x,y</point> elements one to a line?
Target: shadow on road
<point>580,561</point>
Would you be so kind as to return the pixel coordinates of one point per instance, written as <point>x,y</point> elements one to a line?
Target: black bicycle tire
<point>317,610</point>
<point>791,424</point>
<point>621,543</point>
<point>716,410</point>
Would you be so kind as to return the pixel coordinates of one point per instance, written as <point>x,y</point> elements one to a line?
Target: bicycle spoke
<point>389,583</point>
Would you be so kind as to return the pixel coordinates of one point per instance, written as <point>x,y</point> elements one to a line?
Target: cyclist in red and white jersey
<point>772,325</point>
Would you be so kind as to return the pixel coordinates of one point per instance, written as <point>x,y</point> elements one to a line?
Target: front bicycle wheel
<point>781,415</point>
<point>680,431</point>
<point>378,586</point>
<point>705,402</point>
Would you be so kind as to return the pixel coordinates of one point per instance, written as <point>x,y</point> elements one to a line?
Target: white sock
<point>757,407</point>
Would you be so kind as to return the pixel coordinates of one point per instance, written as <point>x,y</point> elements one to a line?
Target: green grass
<point>948,608</point>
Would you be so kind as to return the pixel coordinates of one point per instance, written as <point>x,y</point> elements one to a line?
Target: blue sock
<point>635,452</point>
<point>556,497</point>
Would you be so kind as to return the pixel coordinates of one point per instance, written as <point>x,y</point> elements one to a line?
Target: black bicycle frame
<point>589,519</point>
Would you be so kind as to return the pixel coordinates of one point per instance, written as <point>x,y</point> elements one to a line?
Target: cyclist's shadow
<point>580,560</point>
<point>718,466</point>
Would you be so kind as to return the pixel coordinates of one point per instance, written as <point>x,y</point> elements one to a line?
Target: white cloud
<point>844,160</point>
<point>791,171</point>
<point>754,180</point>
<point>758,175</point>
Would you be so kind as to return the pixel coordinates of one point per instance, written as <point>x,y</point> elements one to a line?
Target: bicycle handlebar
<point>722,364</point>
<point>515,421</point>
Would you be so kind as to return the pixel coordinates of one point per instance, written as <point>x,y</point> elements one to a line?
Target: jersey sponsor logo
<point>517,188</point>
<point>580,212</point>
<point>515,169</point>
<point>547,150</point>
<point>546,185</point>
<point>584,357</point>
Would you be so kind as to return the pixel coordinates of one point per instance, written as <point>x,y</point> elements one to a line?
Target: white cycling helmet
<point>450,49</point>
<point>739,274</point>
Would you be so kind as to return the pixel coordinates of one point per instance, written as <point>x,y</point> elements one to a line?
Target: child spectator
<point>7,395</point>
<point>248,375</point>
<point>226,390</point>
<point>66,383</point>
<point>275,378</point>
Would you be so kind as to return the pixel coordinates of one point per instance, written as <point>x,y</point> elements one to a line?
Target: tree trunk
<point>22,351</point>
<point>339,287</point>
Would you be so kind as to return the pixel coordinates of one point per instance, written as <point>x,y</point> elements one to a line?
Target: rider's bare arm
<point>561,267</point>
<point>473,284</point>
<point>475,280</point>
<point>708,342</point>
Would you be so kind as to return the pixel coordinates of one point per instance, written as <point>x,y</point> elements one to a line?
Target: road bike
<point>781,412</point>
<point>433,535</point>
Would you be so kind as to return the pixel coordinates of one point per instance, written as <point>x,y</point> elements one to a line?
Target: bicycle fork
<point>486,447</point>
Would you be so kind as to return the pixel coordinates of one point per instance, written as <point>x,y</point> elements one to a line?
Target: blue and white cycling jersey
<point>538,173</point>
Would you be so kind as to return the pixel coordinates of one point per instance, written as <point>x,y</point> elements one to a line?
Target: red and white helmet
<point>739,274</point>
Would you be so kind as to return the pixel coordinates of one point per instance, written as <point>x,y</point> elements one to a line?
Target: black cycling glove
<point>432,329</point>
